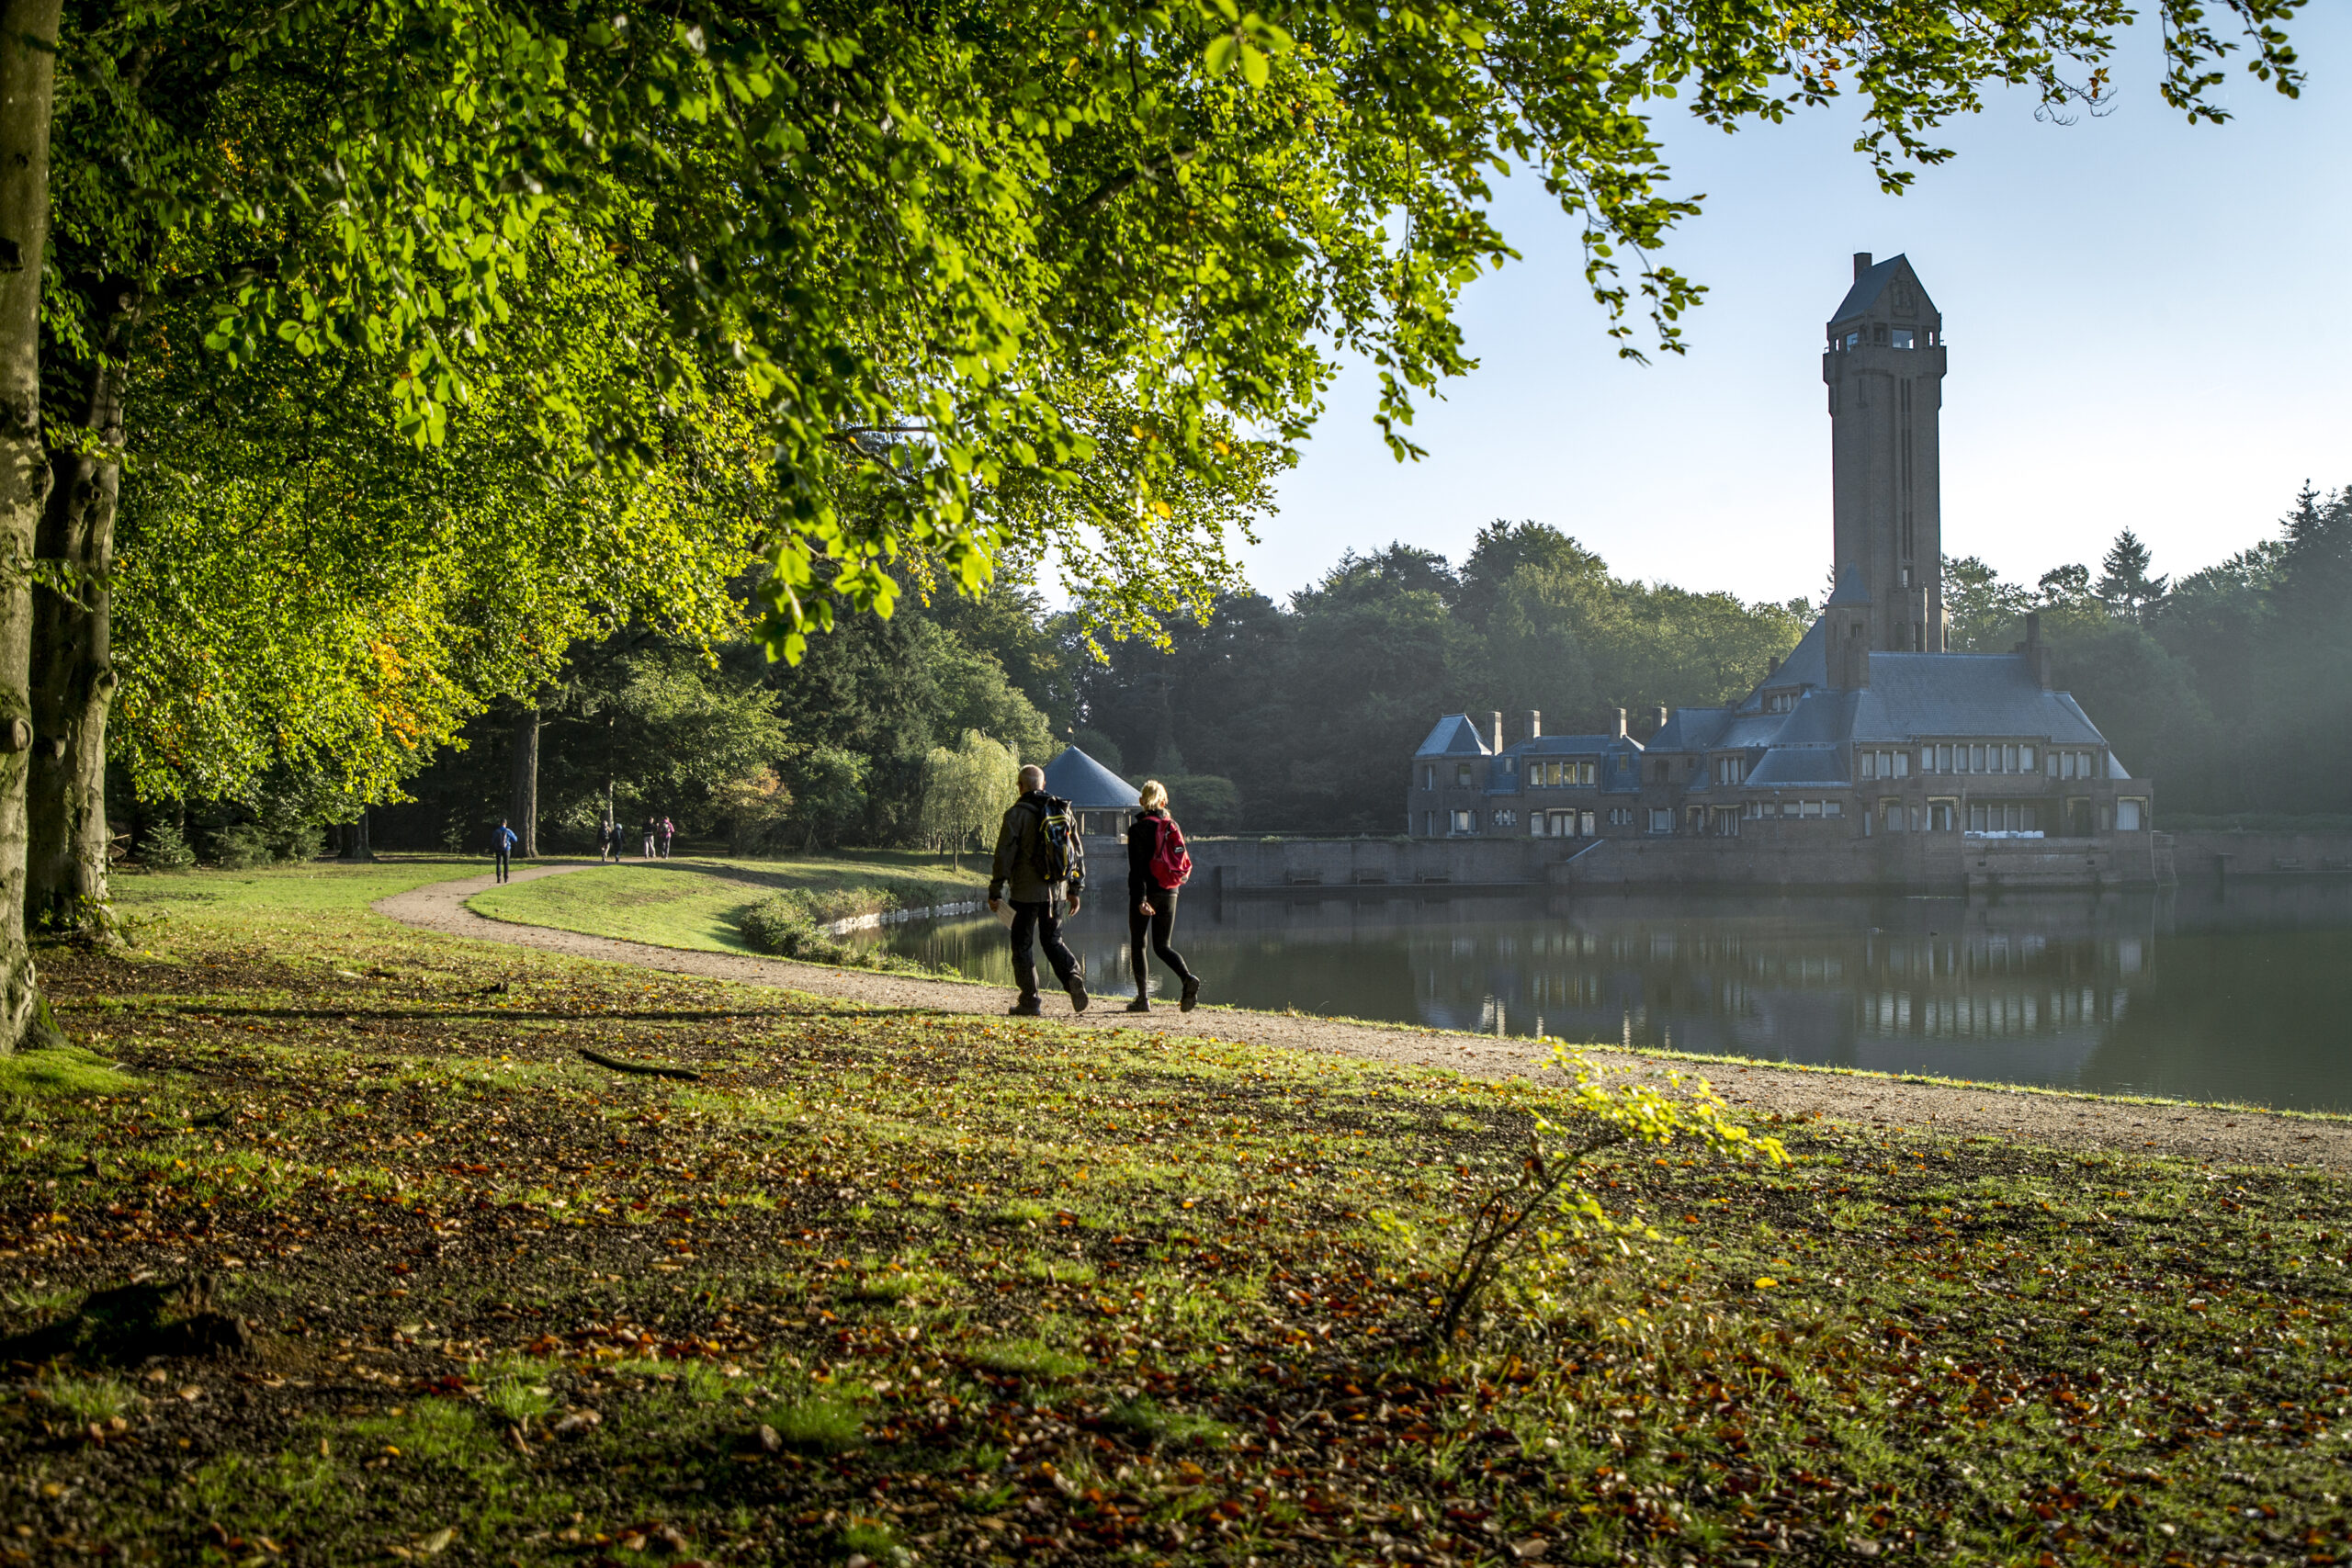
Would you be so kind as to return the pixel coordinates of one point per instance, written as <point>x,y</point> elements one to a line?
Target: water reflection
<point>2237,995</point>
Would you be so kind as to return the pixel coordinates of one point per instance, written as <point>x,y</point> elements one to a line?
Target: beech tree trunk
<point>355,838</point>
<point>28,55</point>
<point>523,795</point>
<point>73,665</point>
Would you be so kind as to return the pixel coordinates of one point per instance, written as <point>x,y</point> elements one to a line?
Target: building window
<point>2025,759</point>
<point>1429,776</point>
<point>1730,770</point>
<point>2130,814</point>
<point>1890,811</point>
<point>1661,819</point>
<point>1461,775</point>
<point>1901,337</point>
<point>1833,808</point>
<point>1620,817</point>
<point>1941,814</point>
<point>1465,822</point>
<point>1868,764</point>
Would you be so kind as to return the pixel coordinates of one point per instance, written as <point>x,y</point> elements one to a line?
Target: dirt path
<point>2074,1122</point>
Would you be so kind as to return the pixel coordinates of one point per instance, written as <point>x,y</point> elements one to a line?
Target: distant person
<point>669,832</point>
<point>1040,862</point>
<point>653,831</point>
<point>1157,865</point>
<point>608,841</point>
<point>504,842</point>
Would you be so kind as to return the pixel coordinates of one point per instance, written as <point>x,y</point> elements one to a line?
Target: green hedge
<point>791,924</point>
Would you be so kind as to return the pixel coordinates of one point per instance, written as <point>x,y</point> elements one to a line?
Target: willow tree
<point>1075,252</point>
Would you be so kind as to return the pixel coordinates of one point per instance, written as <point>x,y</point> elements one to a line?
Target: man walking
<point>505,841</point>
<point>1040,863</point>
<point>669,832</point>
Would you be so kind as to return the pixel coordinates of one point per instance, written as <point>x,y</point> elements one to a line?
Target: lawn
<point>696,903</point>
<point>325,1247</point>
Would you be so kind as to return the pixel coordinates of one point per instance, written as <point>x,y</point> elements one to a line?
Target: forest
<point>1296,716</point>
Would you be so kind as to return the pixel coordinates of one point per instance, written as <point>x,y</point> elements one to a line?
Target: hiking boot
<point>1192,994</point>
<point>1027,1007</point>
<point>1077,993</point>
<point>1141,1004</point>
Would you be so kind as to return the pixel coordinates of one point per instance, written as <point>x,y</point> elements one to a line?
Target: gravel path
<point>2237,1138</point>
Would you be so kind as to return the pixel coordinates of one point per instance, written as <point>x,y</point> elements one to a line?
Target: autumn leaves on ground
<point>326,1246</point>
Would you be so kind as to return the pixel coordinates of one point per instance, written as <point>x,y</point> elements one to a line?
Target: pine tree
<point>2124,582</point>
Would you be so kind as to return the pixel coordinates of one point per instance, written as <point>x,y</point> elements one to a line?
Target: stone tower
<point>1885,371</point>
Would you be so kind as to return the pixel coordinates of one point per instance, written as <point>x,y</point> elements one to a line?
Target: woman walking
<point>1157,866</point>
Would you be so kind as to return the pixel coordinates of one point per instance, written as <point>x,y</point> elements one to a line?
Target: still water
<point>2201,993</point>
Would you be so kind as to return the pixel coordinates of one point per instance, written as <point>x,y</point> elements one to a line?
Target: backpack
<point>1056,849</point>
<point>1172,863</point>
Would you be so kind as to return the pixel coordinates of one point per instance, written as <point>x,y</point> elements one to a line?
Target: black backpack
<point>1056,849</point>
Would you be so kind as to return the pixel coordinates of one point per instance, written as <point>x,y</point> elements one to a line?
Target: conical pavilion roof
<point>1087,785</point>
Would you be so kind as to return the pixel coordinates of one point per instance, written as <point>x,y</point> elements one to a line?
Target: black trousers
<point>1159,925</point>
<point>1040,924</point>
<point>504,865</point>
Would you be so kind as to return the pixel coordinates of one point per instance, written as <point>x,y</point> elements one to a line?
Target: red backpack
<point>1172,863</point>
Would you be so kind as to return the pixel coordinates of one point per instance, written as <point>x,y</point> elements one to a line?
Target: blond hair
<point>1153,797</point>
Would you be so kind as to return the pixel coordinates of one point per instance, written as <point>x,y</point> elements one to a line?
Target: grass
<point>701,903</point>
<point>1002,1291</point>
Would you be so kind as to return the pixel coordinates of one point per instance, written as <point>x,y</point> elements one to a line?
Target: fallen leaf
<point>438,1542</point>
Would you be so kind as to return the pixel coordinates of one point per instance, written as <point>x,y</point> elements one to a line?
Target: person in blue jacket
<point>505,841</point>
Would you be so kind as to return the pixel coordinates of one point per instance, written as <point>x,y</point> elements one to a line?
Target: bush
<point>165,849</point>
<point>792,924</point>
<point>240,847</point>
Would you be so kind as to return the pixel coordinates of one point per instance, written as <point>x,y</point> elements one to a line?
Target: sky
<point>2148,321</point>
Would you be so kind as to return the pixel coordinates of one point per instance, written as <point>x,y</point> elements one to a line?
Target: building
<point>1869,728</point>
<point>1101,800</point>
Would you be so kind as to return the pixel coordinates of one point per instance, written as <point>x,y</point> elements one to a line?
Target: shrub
<point>164,848</point>
<point>240,847</point>
<point>1547,1201</point>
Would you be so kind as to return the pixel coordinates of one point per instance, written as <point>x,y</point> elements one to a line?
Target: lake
<point>2241,994</point>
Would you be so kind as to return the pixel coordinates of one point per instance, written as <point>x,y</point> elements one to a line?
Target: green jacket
<point>1016,864</point>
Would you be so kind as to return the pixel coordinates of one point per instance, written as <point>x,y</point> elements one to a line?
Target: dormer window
<point>1903,337</point>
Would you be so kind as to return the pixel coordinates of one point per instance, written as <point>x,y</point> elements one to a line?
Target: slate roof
<point>1572,745</point>
<point>1454,735</point>
<point>1872,284</point>
<point>1937,695</point>
<point>1911,697</point>
<point>1851,590</point>
<point>1088,785</point>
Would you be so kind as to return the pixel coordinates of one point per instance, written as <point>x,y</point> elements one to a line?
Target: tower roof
<point>1871,282</point>
<point>1454,735</point>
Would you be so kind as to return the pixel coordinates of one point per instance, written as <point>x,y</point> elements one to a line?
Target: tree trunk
<point>73,668</point>
<point>27,55</point>
<point>523,794</point>
<point>355,838</point>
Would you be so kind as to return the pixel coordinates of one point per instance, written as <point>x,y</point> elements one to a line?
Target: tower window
<point>1878,333</point>
<point>1903,337</point>
<point>1853,340</point>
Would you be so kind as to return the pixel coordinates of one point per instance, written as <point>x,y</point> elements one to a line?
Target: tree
<point>2067,588</point>
<point>1981,611</point>
<point>966,791</point>
<point>2124,582</point>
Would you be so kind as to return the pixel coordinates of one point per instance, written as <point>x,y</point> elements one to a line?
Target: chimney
<point>1658,715</point>
<point>1497,727</point>
<point>1861,264</point>
<point>1773,667</point>
<point>2036,652</point>
<point>1534,725</point>
<point>1621,723</point>
<point>1850,662</point>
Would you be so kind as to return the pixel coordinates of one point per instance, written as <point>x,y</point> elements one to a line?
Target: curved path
<point>2070,1121</point>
